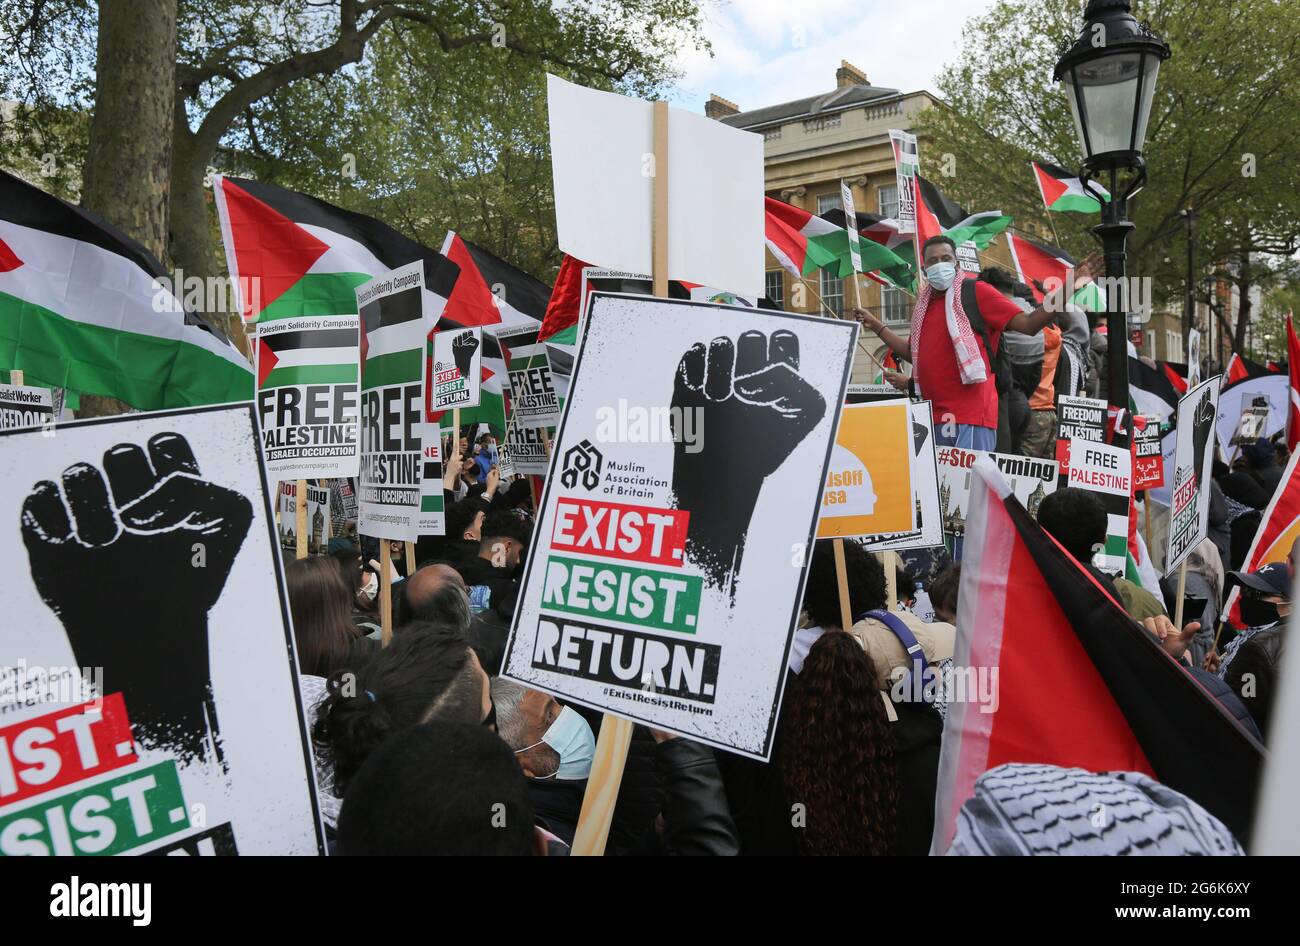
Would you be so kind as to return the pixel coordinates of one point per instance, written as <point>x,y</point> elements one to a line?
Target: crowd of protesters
<point>422,747</point>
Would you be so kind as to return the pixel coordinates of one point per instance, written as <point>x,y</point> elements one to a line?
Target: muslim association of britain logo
<point>582,462</point>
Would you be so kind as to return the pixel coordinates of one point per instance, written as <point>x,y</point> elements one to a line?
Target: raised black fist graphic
<point>750,409</point>
<point>463,347</point>
<point>1203,418</point>
<point>132,575</point>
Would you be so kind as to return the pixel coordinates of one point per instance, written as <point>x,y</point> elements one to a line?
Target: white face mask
<point>941,275</point>
<point>370,588</point>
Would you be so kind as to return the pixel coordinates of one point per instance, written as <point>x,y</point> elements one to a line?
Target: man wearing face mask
<point>554,746</point>
<point>956,327</point>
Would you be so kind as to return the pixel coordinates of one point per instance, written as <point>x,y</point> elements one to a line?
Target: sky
<point>771,51</point>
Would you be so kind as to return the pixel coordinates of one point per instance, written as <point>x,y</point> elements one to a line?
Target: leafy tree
<point>1221,137</point>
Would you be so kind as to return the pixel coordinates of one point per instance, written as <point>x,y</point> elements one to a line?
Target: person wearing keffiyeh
<point>951,358</point>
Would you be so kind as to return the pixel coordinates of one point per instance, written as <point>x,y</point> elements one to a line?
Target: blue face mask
<point>941,275</point>
<point>573,739</point>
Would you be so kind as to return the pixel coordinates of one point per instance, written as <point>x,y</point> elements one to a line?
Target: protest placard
<point>307,369</point>
<point>432,520</point>
<point>1148,455</point>
<point>1189,512</point>
<point>148,716</point>
<point>457,372</point>
<point>1031,481</point>
<point>525,451</point>
<point>1106,471</point>
<point>656,559</point>
<point>925,490</point>
<point>907,163</point>
<point>603,169</point>
<point>1254,418</point>
<point>868,487</point>
<point>1078,419</point>
<point>1259,404</point>
<point>392,403</point>
<point>320,525</point>
<point>343,505</point>
<point>23,407</point>
<point>534,400</point>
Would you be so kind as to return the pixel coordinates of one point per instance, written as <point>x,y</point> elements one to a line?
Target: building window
<point>1151,345</point>
<point>832,290</point>
<point>1173,346</point>
<point>894,303</point>
<point>828,202</point>
<point>774,287</point>
<point>887,200</point>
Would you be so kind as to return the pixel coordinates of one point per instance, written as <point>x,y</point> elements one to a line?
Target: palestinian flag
<point>1078,683</point>
<point>1293,365</point>
<point>1240,368</point>
<point>1063,191</point>
<point>291,255</point>
<point>892,267</point>
<point>936,214</point>
<point>306,356</point>
<point>804,243</point>
<point>85,307</point>
<point>1279,528</point>
<point>493,294</point>
<point>1151,392</point>
<point>1176,373</point>
<point>562,308</point>
<point>1037,263</point>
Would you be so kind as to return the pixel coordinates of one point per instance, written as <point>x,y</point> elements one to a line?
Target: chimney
<point>718,107</point>
<point>849,74</point>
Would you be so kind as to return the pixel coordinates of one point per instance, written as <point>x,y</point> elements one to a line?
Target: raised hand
<point>132,574</point>
<point>752,408</point>
<point>463,347</point>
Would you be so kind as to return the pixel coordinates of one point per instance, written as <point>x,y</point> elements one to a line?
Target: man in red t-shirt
<point>965,411</point>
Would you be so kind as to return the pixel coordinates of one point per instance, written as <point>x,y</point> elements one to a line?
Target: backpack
<point>1002,375</point>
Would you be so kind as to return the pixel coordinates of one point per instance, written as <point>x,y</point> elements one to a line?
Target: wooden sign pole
<point>842,579</point>
<point>890,563</point>
<point>410,559</point>
<point>616,733</point>
<point>16,377</point>
<point>1178,601</point>
<point>385,593</point>
<point>300,508</point>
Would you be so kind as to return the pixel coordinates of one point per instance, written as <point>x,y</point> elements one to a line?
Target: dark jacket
<point>1227,698</point>
<point>1260,657</point>
<point>696,821</point>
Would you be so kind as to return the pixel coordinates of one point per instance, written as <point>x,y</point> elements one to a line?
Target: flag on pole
<point>804,243</point>
<point>936,215</point>
<point>1063,191</point>
<point>85,307</point>
<point>1037,263</point>
<point>294,255</point>
<point>1030,613</point>
<point>493,294</point>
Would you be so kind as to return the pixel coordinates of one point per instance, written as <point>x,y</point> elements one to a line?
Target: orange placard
<point>868,487</point>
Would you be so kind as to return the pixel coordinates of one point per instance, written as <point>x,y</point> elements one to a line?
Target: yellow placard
<point>869,481</point>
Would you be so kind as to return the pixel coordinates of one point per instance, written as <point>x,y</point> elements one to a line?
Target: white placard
<point>457,367</point>
<point>671,540</point>
<point>602,160</point>
<point>191,736</point>
<point>1189,514</point>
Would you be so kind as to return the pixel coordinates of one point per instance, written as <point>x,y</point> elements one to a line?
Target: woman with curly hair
<point>838,761</point>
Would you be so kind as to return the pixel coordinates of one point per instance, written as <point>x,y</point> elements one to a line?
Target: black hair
<point>864,574</point>
<point>425,673</point>
<point>999,278</point>
<point>348,560</point>
<point>936,240</point>
<point>460,516</point>
<point>438,789</point>
<point>1075,518</point>
<point>507,524</point>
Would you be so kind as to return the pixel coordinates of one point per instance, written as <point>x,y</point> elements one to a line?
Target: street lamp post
<point>1110,73</point>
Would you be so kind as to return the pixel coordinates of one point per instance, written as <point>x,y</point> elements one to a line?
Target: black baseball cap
<point>1273,579</point>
